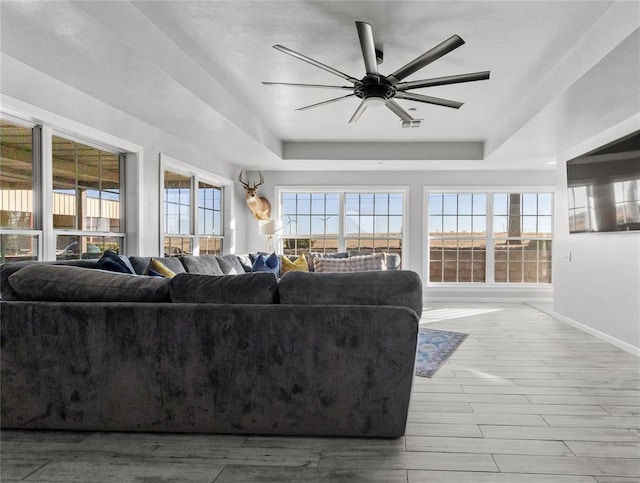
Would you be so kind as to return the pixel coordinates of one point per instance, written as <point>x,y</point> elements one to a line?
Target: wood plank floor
<point>524,399</point>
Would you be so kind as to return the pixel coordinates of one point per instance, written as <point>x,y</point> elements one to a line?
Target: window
<point>458,237</point>
<point>19,233</point>
<point>512,245</point>
<point>333,221</point>
<point>209,219</point>
<point>86,200</point>
<point>311,222</point>
<point>81,214</point>
<point>192,226</point>
<point>373,222</point>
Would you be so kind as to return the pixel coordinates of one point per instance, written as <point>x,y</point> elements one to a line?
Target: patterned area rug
<point>434,348</point>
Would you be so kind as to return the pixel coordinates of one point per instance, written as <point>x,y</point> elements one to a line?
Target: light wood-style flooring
<point>524,399</point>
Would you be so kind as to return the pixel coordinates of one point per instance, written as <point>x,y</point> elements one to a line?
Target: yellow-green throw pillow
<point>300,265</point>
<point>160,268</point>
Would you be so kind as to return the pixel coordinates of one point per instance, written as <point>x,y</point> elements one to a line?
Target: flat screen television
<point>604,188</point>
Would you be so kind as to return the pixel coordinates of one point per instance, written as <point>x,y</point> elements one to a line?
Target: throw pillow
<point>392,259</point>
<point>314,255</point>
<point>160,269</point>
<point>298,265</point>
<point>113,262</point>
<point>267,264</point>
<point>352,264</point>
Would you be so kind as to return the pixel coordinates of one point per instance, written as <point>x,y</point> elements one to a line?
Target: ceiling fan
<point>376,89</point>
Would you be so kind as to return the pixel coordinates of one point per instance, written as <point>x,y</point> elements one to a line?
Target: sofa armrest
<point>384,287</point>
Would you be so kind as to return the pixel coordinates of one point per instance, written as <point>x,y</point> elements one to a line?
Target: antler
<point>244,183</point>
<point>261,180</point>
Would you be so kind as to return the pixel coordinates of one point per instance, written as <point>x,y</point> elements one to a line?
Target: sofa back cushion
<point>8,269</point>
<point>63,283</point>
<point>202,264</point>
<point>230,264</point>
<point>376,261</point>
<point>388,287</point>
<point>246,288</point>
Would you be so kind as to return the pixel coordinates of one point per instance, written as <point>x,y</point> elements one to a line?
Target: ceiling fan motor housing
<point>374,86</point>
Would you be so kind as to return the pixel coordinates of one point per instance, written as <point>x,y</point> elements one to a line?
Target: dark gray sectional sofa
<point>308,354</point>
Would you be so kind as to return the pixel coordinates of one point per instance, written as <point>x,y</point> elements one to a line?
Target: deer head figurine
<point>258,205</point>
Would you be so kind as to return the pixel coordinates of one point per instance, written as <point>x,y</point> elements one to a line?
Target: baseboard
<point>488,300</point>
<point>596,333</point>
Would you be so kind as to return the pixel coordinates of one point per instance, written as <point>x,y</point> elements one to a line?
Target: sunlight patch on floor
<point>435,315</point>
<point>493,379</point>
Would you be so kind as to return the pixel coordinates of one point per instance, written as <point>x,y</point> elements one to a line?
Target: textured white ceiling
<point>194,67</point>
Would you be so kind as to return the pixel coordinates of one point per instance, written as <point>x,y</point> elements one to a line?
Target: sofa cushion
<point>388,287</point>
<point>230,265</point>
<point>60,283</point>
<point>267,264</point>
<point>113,262</point>
<point>246,288</point>
<point>298,264</point>
<point>141,264</point>
<point>202,264</point>
<point>363,263</point>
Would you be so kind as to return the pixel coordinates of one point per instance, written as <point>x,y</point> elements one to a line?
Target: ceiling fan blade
<point>440,81</point>
<point>415,65</point>
<point>356,115</point>
<point>365,34</point>
<point>398,110</point>
<point>324,102</point>
<point>306,85</point>
<point>428,99</point>
<point>309,60</point>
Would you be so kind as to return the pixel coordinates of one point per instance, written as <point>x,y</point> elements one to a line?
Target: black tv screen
<point>604,188</point>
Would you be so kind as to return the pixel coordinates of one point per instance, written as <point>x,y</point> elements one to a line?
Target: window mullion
<point>194,215</point>
<point>342,244</point>
<point>490,253</point>
<point>46,188</point>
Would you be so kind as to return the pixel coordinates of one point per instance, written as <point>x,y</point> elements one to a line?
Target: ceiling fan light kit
<point>377,90</point>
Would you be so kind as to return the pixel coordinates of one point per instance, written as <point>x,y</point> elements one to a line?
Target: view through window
<point>512,245</point>
<point>329,222</point>
<point>18,230</point>
<point>189,226</point>
<point>85,203</point>
<point>86,200</point>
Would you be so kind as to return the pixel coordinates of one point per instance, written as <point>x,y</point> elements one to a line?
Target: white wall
<point>35,96</point>
<point>598,289</point>
<point>414,221</point>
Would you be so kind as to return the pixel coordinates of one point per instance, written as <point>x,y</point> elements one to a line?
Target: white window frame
<point>490,250</point>
<point>341,190</point>
<point>169,163</point>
